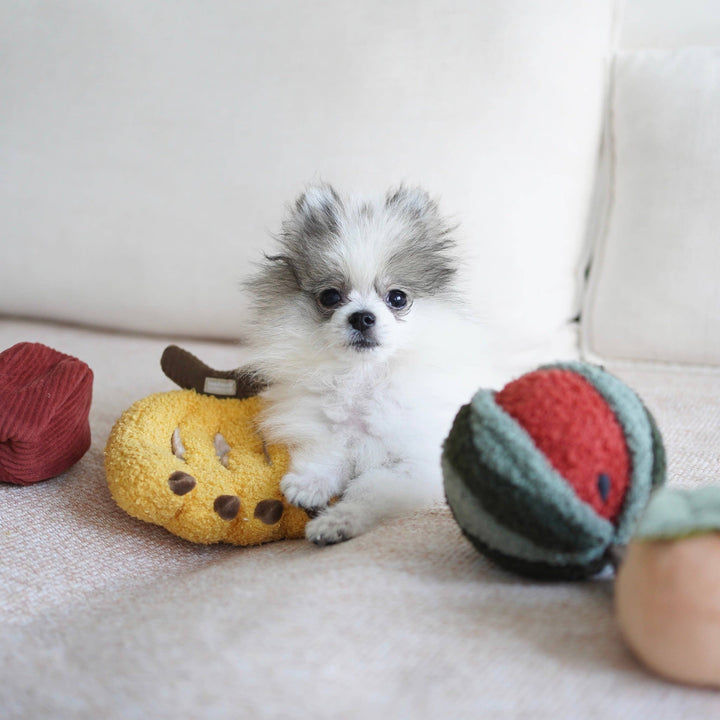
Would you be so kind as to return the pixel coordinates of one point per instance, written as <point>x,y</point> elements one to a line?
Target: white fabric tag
<point>220,386</point>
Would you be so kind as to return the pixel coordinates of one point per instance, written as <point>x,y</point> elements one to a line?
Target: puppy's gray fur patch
<point>425,256</point>
<point>421,258</point>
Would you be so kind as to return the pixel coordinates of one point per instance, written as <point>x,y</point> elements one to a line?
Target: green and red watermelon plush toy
<point>548,476</point>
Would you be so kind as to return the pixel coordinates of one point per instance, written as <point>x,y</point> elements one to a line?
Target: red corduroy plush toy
<point>45,401</point>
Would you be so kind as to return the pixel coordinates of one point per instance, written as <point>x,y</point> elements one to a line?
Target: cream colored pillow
<point>654,290</point>
<point>148,149</point>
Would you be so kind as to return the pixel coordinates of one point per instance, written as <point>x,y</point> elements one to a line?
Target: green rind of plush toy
<point>517,509</point>
<point>676,513</point>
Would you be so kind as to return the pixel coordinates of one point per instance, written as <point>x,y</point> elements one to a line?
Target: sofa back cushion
<point>149,149</point>
<point>654,291</point>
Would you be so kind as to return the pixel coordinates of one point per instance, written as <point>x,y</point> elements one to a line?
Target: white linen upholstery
<point>665,24</point>
<point>654,290</point>
<point>148,150</point>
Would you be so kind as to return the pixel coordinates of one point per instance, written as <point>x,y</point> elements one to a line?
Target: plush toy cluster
<point>547,477</point>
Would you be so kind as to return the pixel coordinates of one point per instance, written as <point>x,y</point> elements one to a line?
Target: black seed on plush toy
<point>269,511</point>
<point>227,506</point>
<point>181,483</point>
<point>603,484</point>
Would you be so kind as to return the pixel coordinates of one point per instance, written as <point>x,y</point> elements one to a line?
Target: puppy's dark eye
<point>330,298</point>
<point>396,299</point>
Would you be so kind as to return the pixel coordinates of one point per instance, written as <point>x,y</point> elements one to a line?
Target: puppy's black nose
<point>362,320</point>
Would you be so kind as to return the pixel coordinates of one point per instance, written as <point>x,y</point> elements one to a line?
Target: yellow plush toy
<point>195,464</point>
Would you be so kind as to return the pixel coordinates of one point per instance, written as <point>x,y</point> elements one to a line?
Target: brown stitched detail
<point>269,511</point>
<point>227,506</point>
<point>181,483</point>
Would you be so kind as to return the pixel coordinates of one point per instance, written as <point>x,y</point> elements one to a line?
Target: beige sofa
<point>148,155</point>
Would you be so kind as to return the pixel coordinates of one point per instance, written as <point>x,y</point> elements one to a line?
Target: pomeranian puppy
<point>358,332</point>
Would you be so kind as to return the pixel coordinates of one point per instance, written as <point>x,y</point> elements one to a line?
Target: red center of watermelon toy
<point>576,430</point>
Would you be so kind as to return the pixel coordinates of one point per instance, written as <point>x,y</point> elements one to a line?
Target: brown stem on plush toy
<point>190,373</point>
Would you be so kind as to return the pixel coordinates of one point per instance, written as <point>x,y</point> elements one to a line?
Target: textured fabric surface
<point>105,616</point>
<point>654,292</point>
<point>149,152</point>
<point>45,399</point>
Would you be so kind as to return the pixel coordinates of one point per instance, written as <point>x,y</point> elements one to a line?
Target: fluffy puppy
<point>359,334</point>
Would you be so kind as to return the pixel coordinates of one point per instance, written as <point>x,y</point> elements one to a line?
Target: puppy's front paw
<point>335,525</point>
<point>306,491</point>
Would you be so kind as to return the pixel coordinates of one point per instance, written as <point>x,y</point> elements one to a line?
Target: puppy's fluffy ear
<point>317,210</point>
<point>311,224</point>
<point>426,257</point>
<point>415,202</point>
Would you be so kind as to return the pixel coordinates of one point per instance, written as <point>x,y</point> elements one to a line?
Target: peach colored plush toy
<point>667,592</point>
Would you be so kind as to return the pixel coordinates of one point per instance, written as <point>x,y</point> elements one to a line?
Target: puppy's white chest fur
<point>354,416</point>
<point>361,420</point>
<point>348,410</point>
<point>351,405</point>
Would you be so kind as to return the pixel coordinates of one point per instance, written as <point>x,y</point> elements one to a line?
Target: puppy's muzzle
<point>362,335</point>
<point>362,321</point>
